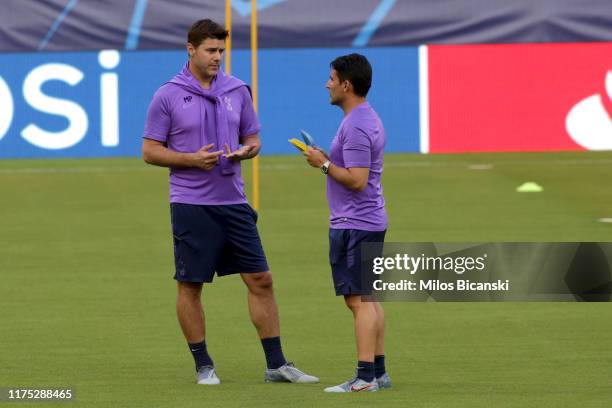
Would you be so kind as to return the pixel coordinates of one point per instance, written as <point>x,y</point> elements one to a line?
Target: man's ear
<point>190,49</point>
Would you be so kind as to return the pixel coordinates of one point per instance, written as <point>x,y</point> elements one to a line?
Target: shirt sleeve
<point>157,125</point>
<point>249,124</point>
<point>356,149</point>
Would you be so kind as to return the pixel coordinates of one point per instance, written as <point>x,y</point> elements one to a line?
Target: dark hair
<point>203,29</point>
<point>356,69</point>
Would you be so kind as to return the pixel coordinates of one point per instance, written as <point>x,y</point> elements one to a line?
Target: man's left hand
<point>315,157</point>
<point>238,154</point>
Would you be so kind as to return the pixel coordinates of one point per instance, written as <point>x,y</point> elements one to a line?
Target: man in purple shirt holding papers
<point>357,211</point>
<point>201,124</point>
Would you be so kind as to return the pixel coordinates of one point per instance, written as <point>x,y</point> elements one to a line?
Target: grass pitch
<point>87,296</point>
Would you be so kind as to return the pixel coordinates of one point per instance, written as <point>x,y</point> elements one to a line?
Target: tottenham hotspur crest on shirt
<point>228,103</point>
<point>187,101</point>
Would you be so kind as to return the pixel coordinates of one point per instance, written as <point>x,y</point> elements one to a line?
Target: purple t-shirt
<point>359,142</point>
<point>185,122</point>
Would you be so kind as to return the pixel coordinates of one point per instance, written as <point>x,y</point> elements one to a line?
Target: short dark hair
<point>203,29</point>
<point>356,69</point>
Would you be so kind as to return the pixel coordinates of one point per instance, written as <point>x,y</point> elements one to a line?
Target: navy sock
<point>200,355</point>
<point>379,365</point>
<point>274,352</point>
<point>365,370</point>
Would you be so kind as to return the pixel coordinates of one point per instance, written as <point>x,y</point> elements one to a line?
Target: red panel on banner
<point>518,97</point>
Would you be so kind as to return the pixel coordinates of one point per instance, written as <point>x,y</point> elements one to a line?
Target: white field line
<point>63,170</point>
<point>299,164</point>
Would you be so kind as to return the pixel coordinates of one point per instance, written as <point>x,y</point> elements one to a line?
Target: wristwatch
<point>325,167</point>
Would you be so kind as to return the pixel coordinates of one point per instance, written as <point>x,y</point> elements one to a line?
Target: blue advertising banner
<point>93,104</point>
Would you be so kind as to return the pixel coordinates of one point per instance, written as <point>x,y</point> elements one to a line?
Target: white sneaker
<point>354,385</point>
<point>289,373</point>
<point>384,381</point>
<point>207,375</point>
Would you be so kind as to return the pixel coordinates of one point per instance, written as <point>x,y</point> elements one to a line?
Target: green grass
<point>87,299</point>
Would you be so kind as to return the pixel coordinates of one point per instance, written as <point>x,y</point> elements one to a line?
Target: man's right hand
<point>322,151</point>
<point>206,160</point>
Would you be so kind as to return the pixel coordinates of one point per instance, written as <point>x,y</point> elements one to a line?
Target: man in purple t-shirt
<point>357,211</point>
<point>201,124</point>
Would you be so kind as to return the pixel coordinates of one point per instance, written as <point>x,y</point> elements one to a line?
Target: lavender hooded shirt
<point>359,142</point>
<point>186,117</point>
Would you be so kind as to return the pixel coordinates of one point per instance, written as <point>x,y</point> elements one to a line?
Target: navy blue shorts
<point>221,238</point>
<point>345,258</point>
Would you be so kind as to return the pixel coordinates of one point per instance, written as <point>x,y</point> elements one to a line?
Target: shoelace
<point>294,369</point>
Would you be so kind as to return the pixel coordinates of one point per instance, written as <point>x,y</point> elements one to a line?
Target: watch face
<point>325,167</point>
